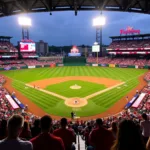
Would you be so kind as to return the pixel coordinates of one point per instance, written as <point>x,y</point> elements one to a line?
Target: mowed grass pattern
<point>64,89</point>
<point>56,106</point>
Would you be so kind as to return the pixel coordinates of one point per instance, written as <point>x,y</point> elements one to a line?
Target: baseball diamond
<point>47,90</point>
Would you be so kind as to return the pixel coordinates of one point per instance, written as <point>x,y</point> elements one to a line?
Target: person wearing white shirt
<point>145,126</point>
<point>13,141</point>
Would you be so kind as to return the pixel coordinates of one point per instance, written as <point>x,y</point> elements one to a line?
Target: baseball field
<point>87,91</point>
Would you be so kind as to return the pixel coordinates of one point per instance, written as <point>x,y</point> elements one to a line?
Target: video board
<point>27,47</point>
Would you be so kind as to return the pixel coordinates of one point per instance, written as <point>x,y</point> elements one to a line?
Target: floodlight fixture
<point>99,21</point>
<point>95,43</point>
<point>24,21</point>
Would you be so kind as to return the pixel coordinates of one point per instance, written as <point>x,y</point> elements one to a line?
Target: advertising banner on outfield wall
<point>104,65</point>
<point>60,65</point>
<point>95,65</point>
<point>112,65</point>
<point>30,67</point>
<point>7,68</point>
<point>52,65</point>
<point>87,64</point>
<point>123,66</point>
<point>140,67</point>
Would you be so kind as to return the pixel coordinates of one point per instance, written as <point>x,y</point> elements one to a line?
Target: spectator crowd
<point>119,61</point>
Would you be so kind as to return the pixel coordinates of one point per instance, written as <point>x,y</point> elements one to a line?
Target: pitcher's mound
<point>75,87</point>
<point>76,102</point>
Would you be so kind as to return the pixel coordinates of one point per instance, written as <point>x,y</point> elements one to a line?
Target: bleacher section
<point>130,45</point>
<point>7,50</point>
<point>120,61</point>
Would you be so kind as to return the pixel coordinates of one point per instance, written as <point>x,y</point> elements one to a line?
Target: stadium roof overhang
<point>12,7</point>
<point>5,37</point>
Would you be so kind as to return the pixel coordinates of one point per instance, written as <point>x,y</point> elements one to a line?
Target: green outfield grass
<point>64,89</point>
<point>56,106</point>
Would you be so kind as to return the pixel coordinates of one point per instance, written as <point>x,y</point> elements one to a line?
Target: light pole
<point>99,22</point>
<point>25,22</point>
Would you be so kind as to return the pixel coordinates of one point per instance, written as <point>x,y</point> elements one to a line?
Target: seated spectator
<point>13,141</point>
<point>145,126</point>
<point>47,141</point>
<point>101,138</point>
<point>3,129</point>
<point>26,133</point>
<point>129,137</point>
<point>35,130</point>
<point>66,135</point>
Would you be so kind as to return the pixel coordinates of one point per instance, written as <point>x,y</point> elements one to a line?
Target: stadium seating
<point>6,46</point>
<point>27,62</point>
<point>119,61</point>
<point>28,54</point>
<point>147,77</point>
<point>116,45</point>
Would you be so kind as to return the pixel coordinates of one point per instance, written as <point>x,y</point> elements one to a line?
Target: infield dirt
<point>46,82</point>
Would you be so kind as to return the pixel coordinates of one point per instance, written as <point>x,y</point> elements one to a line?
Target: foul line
<point>102,91</point>
<point>48,92</point>
<point>65,98</point>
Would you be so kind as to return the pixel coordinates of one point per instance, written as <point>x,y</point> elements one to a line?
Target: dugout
<point>74,60</point>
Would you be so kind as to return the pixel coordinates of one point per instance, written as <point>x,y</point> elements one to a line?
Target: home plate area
<point>76,102</point>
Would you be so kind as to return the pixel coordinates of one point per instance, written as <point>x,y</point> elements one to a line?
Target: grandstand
<point>7,50</point>
<point>130,44</point>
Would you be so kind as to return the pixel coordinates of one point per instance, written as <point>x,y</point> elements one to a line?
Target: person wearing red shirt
<point>101,138</point>
<point>45,140</point>
<point>66,135</point>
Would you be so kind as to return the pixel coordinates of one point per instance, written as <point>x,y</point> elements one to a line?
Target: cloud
<point>64,28</point>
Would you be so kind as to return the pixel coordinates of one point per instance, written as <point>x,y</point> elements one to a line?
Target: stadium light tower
<point>25,22</point>
<point>99,22</point>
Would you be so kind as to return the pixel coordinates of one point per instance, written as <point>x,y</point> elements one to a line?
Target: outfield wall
<point>77,64</point>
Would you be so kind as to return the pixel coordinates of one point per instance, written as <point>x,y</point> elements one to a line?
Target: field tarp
<point>12,102</point>
<point>22,106</point>
<point>129,104</point>
<point>139,100</point>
